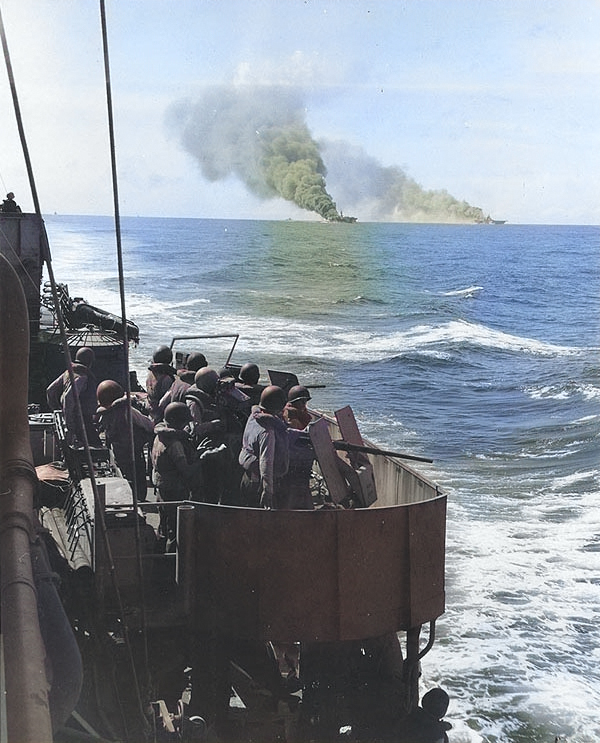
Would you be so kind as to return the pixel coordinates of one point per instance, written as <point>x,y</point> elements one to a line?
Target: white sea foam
<point>460,331</point>
<point>517,591</point>
<point>337,342</point>
<point>467,293</point>
<point>563,391</point>
<point>590,392</point>
<point>190,303</point>
<point>538,393</point>
<point>560,483</point>
<point>587,419</point>
<point>163,317</point>
<point>447,336</point>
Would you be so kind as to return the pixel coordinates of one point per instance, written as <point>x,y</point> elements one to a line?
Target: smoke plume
<point>259,134</point>
<point>386,193</point>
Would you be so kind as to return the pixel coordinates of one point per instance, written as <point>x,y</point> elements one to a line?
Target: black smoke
<point>258,134</point>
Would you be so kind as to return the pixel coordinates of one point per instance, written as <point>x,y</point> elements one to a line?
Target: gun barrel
<point>346,446</point>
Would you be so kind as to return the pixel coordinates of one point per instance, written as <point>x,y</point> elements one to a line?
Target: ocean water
<point>476,345</point>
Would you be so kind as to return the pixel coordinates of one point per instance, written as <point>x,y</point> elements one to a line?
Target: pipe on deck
<point>27,685</point>
<point>57,634</point>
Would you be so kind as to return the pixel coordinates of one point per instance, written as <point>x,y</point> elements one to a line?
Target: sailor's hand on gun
<point>206,449</point>
<point>203,445</point>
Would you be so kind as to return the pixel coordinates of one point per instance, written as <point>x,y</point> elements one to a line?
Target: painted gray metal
<point>21,237</point>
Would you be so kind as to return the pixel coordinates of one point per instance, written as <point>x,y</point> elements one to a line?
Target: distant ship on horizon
<point>342,218</point>
<point>489,220</point>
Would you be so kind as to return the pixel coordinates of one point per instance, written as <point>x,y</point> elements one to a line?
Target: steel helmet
<point>107,392</point>
<point>435,702</point>
<point>206,379</point>
<point>195,361</point>
<point>273,399</point>
<point>85,356</point>
<point>177,414</point>
<point>250,374</point>
<point>162,355</point>
<point>298,392</point>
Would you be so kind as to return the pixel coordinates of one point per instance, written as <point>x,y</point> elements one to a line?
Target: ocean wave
<point>470,291</point>
<point>566,481</point>
<point>190,303</point>
<point>563,391</point>
<point>439,341</point>
<point>502,608</point>
<point>586,419</point>
<point>360,300</point>
<point>474,334</point>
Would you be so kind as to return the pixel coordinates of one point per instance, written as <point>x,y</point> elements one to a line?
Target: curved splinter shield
<point>327,575</point>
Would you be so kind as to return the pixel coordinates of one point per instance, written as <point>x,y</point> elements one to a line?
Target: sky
<point>495,101</point>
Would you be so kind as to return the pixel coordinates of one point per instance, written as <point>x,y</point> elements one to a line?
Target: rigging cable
<point>136,495</point>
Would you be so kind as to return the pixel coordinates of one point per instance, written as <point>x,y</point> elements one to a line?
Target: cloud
<point>298,70</point>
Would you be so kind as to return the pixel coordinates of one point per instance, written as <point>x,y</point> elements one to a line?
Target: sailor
<point>265,450</point>
<point>425,724</point>
<point>248,383</point>
<point>177,470</point>
<point>134,382</point>
<point>233,408</point>
<point>295,485</point>
<point>60,396</point>
<point>295,491</point>
<point>9,205</point>
<point>219,415</point>
<point>160,378</point>
<point>295,413</point>
<point>113,421</point>
<point>193,362</point>
<point>200,399</point>
<point>183,381</point>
